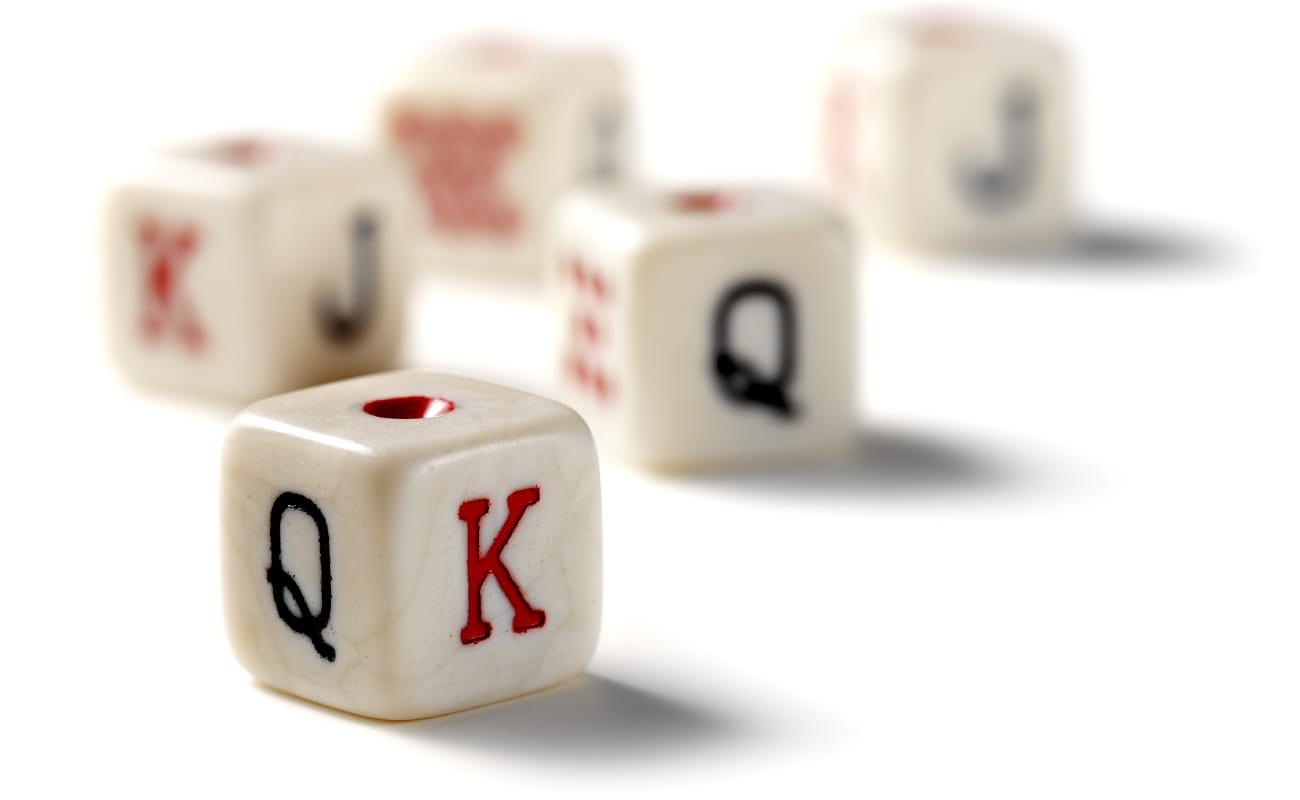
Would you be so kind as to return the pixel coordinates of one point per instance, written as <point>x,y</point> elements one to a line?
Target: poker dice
<point>247,267</point>
<point>709,328</point>
<point>491,131</point>
<point>948,132</point>
<point>408,544</point>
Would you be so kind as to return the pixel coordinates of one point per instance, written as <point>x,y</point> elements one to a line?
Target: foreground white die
<point>491,132</point>
<point>248,267</point>
<point>949,132</point>
<point>409,544</point>
<point>707,328</point>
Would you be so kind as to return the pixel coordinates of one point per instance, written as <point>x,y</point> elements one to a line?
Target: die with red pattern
<point>708,328</point>
<point>491,132</point>
<point>245,267</point>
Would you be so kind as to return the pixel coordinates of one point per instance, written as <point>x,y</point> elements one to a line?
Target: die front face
<point>721,330</point>
<point>247,267</point>
<point>950,132</point>
<point>336,245</point>
<point>410,544</point>
<point>491,133</point>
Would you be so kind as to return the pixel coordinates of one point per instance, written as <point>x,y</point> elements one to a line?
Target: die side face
<point>599,122</point>
<point>232,271</point>
<point>489,146</point>
<point>338,247</point>
<point>603,138</point>
<point>462,565</point>
<point>733,329</point>
<point>950,133</point>
<point>180,305</point>
<point>590,335</point>
<point>751,341</point>
<point>996,125</point>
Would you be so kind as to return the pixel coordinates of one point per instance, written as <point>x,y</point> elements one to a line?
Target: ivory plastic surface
<point>389,508</point>
<point>705,329</point>
<point>491,132</point>
<point>243,268</point>
<point>949,132</point>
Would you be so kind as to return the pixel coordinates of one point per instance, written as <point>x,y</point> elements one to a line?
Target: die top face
<point>409,415</point>
<point>649,217</point>
<point>242,167</point>
<point>268,160</point>
<point>891,48</point>
<point>933,34</point>
<point>498,66</point>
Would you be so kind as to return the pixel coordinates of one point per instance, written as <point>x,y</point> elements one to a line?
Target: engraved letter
<point>299,617</point>
<point>478,567</point>
<point>998,187</point>
<point>738,380</point>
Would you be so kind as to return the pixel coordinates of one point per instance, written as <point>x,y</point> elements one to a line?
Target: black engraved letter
<point>1000,186</point>
<point>739,381</point>
<point>344,324</point>
<point>606,131</point>
<point>284,588</point>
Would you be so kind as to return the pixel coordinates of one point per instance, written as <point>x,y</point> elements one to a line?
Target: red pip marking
<point>941,28</point>
<point>600,384</point>
<point>585,328</point>
<point>587,331</point>
<point>841,124</point>
<point>499,50</point>
<point>580,371</point>
<point>247,152</point>
<point>163,254</point>
<point>458,159</point>
<point>705,202</point>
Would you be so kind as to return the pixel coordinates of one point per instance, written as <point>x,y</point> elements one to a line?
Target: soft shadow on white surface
<point>1135,246</point>
<point>887,462</point>
<point>588,720</point>
<point>1118,248</point>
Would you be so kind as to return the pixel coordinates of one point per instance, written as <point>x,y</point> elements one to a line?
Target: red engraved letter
<point>163,254</point>
<point>479,567</point>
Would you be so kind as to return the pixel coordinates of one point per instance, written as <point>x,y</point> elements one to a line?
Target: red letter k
<point>479,567</point>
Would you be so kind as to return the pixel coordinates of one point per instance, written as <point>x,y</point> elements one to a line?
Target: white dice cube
<point>247,267</point>
<point>948,132</point>
<point>707,329</point>
<point>492,131</point>
<point>409,544</point>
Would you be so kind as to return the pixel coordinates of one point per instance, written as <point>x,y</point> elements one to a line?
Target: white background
<point>1067,566</point>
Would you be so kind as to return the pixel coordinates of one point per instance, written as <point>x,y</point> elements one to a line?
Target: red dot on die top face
<point>702,202</point>
<point>246,152</point>
<point>415,406</point>
<point>942,28</point>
